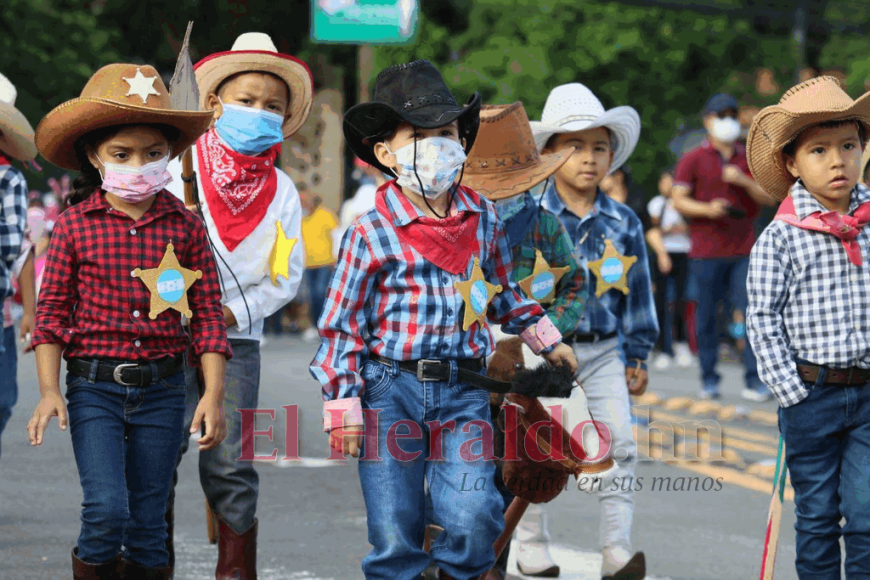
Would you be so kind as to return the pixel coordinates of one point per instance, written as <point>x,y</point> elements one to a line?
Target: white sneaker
<point>310,334</point>
<point>662,362</point>
<point>684,356</point>
<point>534,559</point>
<point>756,396</point>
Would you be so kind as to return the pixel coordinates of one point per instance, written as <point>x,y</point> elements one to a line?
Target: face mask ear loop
<point>543,193</point>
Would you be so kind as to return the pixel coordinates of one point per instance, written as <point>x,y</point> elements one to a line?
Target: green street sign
<point>364,21</point>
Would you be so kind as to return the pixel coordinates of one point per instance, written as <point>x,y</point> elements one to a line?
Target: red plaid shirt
<point>90,303</point>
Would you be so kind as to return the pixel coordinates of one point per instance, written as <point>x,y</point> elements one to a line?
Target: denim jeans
<point>125,441</point>
<point>8,375</point>
<point>827,450</point>
<point>463,496</point>
<point>317,280</point>
<point>716,279</point>
<point>231,486</point>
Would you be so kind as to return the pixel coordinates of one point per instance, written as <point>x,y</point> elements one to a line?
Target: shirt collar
<point>405,212</point>
<point>603,204</point>
<point>97,202</point>
<point>805,204</point>
<point>739,148</point>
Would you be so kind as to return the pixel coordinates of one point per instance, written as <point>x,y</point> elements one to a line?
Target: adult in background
<point>715,192</point>
<point>318,234</point>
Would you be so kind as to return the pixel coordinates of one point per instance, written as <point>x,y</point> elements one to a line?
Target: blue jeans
<point>714,280</point>
<point>318,283</point>
<point>231,486</point>
<point>464,499</point>
<point>8,375</point>
<point>125,441</point>
<point>827,450</point>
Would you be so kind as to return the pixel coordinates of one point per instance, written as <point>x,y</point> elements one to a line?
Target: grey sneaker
<point>709,393</point>
<point>756,395</point>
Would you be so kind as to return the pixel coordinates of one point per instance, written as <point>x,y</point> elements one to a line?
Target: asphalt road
<point>312,516</point>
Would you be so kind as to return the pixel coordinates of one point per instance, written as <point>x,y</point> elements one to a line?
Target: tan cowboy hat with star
<point>16,134</point>
<point>809,103</point>
<point>504,160</point>
<point>255,52</point>
<point>117,94</point>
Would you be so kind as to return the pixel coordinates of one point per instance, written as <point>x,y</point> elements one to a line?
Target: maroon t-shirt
<point>701,171</point>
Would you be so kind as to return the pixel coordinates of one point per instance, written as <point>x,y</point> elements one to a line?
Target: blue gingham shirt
<point>635,314</point>
<point>13,218</point>
<point>386,298</point>
<point>807,301</point>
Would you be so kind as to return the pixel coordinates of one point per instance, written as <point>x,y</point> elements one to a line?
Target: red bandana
<point>238,188</point>
<point>448,243</point>
<point>4,160</point>
<point>845,227</point>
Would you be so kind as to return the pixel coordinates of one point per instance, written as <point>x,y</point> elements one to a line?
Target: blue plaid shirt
<point>633,315</point>
<point>13,218</point>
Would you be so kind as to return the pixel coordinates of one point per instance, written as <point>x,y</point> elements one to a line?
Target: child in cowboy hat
<point>126,260</point>
<point>16,141</point>
<point>609,239</point>
<point>808,319</point>
<point>253,217</point>
<point>403,331</point>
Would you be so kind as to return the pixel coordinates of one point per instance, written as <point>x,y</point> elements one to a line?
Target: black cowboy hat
<point>414,93</point>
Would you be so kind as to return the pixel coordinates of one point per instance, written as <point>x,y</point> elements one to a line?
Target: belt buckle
<point>420,364</point>
<point>116,374</point>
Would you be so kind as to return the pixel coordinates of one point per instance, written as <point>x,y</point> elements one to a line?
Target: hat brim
<point>623,121</point>
<point>374,119</point>
<point>58,131</point>
<point>775,127</point>
<point>216,68</point>
<point>508,183</point>
<point>17,139</point>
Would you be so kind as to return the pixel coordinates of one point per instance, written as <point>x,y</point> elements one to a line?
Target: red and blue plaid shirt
<point>91,304</point>
<point>386,298</point>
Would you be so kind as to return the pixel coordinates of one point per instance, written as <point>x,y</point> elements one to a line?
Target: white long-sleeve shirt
<point>249,262</point>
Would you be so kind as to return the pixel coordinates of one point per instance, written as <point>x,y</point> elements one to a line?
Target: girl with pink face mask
<point>125,262</point>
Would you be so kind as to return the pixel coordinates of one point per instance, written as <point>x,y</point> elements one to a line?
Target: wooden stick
<point>774,516</point>
<point>512,518</point>
<point>189,178</point>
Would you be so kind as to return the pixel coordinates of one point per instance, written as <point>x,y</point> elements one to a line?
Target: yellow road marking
<point>733,477</point>
<point>732,431</point>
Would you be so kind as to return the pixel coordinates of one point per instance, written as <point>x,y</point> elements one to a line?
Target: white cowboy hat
<point>573,107</point>
<point>17,134</point>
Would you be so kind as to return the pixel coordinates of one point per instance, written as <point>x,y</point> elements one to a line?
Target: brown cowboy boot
<point>84,571</point>
<point>134,571</point>
<point>237,553</point>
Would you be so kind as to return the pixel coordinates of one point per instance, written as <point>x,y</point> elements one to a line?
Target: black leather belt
<point>587,337</point>
<point>127,374</point>
<point>468,371</point>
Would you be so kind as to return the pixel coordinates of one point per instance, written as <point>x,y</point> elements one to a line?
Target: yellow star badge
<point>611,270</point>
<point>477,294</point>
<point>279,259</point>
<point>168,284</point>
<point>541,285</point>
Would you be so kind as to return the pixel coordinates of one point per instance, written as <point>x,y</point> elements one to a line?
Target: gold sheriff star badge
<point>477,294</point>
<point>168,284</point>
<point>279,259</point>
<point>611,270</point>
<point>541,285</point>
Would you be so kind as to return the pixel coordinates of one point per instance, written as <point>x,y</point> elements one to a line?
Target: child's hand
<point>637,380</point>
<point>664,262</point>
<point>562,354</point>
<point>210,411</point>
<point>25,331</point>
<point>51,404</point>
<point>350,443</point>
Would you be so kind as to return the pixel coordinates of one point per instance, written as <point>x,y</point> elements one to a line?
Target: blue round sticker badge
<point>170,286</point>
<point>478,297</point>
<point>542,285</point>
<point>612,270</point>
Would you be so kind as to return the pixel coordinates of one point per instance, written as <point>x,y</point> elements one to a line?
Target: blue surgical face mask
<point>249,131</point>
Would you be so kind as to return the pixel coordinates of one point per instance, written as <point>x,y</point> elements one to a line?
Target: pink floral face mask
<point>135,184</point>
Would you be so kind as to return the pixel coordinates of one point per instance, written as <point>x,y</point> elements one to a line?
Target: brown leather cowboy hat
<point>117,94</point>
<point>504,160</point>
<point>809,103</point>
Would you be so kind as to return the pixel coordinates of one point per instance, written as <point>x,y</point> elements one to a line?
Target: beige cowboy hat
<point>16,134</point>
<point>255,52</point>
<point>504,160</point>
<point>117,94</point>
<point>811,102</point>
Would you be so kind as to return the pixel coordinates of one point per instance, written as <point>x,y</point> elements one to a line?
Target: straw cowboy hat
<point>255,52</point>
<point>811,102</point>
<point>573,107</point>
<point>504,160</point>
<point>16,134</point>
<point>414,93</point>
<point>117,94</point>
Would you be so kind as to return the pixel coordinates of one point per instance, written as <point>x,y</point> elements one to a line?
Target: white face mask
<point>439,160</point>
<point>726,130</point>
